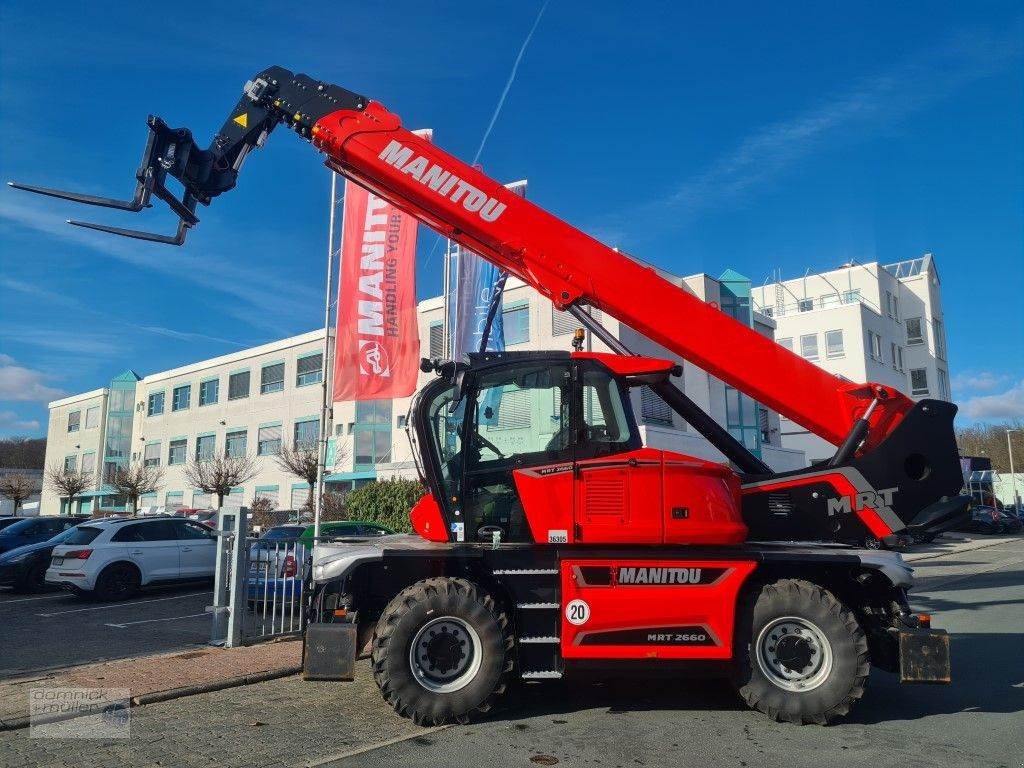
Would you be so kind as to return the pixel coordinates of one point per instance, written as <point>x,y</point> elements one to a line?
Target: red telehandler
<point>565,541</point>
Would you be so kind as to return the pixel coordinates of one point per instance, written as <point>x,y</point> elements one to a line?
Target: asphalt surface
<point>57,629</point>
<point>621,722</point>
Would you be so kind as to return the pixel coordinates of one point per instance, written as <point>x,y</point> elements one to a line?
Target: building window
<point>809,346</point>
<point>834,344</point>
<point>891,308</point>
<point>92,417</point>
<point>768,311</point>
<point>177,452</point>
<point>272,378</point>
<point>918,381</point>
<point>805,305</point>
<point>436,341</point>
<point>209,391</point>
<point>940,340</point>
<point>74,421</point>
<point>238,385</point>
<point>88,463</point>
<point>874,345</point>
<point>181,397</point>
<point>402,421</point>
<point>269,493</point>
<point>268,441</point>
<point>307,433</point>
<point>943,385</point>
<point>70,463</point>
<point>235,444</point>
<point>371,433</point>
<point>517,324</point>
<point>300,496</point>
<point>201,500</point>
<point>309,370</point>
<point>914,334</point>
<point>156,404</point>
<point>174,499</point>
<point>562,323</point>
<point>786,342</point>
<point>206,446</point>
<point>151,455</point>
<point>654,410</point>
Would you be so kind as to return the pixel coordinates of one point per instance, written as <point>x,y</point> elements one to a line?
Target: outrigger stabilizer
<point>272,97</point>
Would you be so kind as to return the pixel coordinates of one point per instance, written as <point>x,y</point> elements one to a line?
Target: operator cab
<point>510,411</point>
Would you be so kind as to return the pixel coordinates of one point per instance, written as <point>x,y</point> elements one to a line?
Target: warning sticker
<point>242,120</point>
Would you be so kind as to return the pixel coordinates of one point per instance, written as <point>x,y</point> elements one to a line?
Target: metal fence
<point>257,584</point>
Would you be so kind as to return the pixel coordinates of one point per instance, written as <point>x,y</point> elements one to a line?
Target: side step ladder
<point>538,620</point>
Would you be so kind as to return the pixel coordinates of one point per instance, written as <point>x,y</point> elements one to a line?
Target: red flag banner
<point>377,346</point>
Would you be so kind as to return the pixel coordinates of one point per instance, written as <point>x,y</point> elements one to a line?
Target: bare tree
<point>67,483</point>
<point>990,440</point>
<point>135,480</point>
<point>303,461</point>
<point>261,513</point>
<point>23,452</point>
<point>18,488</point>
<point>219,474</point>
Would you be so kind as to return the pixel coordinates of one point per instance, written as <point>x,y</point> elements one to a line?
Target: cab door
<point>617,494</point>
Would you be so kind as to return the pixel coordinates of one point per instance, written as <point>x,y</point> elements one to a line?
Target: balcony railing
<point>812,304</point>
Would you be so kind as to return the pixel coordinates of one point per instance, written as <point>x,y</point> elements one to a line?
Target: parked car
<point>345,528</point>
<point>111,559</point>
<point>983,520</point>
<point>1008,521</point>
<point>9,520</point>
<point>24,568</point>
<point>276,560</point>
<point>33,530</point>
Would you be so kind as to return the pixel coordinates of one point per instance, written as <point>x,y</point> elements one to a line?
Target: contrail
<point>508,84</point>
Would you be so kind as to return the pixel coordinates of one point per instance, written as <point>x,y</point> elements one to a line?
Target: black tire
<point>117,581</point>
<point>486,660</point>
<point>833,692</point>
<point>34,580</point>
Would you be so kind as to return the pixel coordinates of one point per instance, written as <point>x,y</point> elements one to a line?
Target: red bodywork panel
<point>647,496</point>
<point>427,520</point>
<point>651,609</point>
<point>627,365</point>
<point>566,265</point>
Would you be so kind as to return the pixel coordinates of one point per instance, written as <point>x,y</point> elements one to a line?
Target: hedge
<point>386,502</point>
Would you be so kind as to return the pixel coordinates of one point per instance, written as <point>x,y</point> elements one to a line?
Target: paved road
<point>977,722</point>
<point>57,629</point>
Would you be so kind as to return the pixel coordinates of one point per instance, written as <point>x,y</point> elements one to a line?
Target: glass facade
<point>741,412</point>
<point>371,433</point>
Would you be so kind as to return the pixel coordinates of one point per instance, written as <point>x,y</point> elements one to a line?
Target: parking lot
<point>617,721</point>
<point>57,629</point>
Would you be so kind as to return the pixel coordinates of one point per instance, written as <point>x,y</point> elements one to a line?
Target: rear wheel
<point>442,651</point>
<point>117,582</point>
<point>801,656</point>
<point>34,580</point>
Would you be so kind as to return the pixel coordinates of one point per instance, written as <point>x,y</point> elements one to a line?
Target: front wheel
<point>442,651</point>
<point>801,656</point>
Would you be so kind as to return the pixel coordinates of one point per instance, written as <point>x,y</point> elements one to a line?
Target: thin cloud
<point>12,422</point>
<point>983,381</point>
<point>1004,405</point>
<point>20,384</point>
<point>850,114</point>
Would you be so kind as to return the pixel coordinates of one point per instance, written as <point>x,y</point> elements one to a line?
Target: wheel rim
<point>794,654</point>
<point>445,655</point>
<point>120,581</point>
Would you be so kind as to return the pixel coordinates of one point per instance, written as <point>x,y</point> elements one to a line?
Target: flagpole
<point>326,368</point>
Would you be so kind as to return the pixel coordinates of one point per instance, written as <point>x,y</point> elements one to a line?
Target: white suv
<point>110,559</point>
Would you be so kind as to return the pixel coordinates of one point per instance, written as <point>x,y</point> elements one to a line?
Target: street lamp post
<point>1013,477</point>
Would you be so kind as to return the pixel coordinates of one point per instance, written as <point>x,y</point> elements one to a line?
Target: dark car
<point>24,568</point>
<point>9,520</point>
<point>983,520</point>
<point>1008,521</point>
<point>34,530</point>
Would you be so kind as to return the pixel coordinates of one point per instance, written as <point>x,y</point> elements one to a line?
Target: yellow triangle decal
<point>242,120</point>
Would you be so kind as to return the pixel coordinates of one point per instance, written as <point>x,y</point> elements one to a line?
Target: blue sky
<point>697,136</point>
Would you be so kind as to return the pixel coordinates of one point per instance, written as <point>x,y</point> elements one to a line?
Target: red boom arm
<point>564,264</point>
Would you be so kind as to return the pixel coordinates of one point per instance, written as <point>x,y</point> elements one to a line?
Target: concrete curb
<point>24,721</point>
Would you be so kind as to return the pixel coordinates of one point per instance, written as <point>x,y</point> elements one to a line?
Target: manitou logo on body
<point>844,505</point>
<point>377,303</point>
<point>445,183</point>
<point>658,575</point>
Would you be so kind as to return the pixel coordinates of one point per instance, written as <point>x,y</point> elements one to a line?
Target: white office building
<point>865,322</point>
<point>250,402</point>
